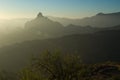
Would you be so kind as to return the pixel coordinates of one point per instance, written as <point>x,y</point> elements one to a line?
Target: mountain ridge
<point>98,20</point>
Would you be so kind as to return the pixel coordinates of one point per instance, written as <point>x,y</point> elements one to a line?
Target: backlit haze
<point>59,39</point>
<point>14,14</point>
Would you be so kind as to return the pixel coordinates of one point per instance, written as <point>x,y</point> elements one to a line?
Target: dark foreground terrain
<point>59,66</point>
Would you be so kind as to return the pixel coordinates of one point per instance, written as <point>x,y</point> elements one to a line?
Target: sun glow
<point>4,16</point>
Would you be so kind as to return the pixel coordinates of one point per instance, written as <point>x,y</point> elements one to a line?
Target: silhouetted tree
<point>54,66</point>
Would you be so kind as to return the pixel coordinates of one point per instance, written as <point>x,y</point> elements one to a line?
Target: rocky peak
<point>40,15</point>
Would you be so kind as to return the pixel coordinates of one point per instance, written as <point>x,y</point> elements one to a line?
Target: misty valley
<point>53,48</point>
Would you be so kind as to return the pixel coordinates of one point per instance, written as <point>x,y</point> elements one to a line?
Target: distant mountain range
<point>43,28</point>
<point>99,20</point>
<point>40,28</point>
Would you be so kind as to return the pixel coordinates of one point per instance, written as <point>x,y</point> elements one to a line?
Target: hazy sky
<point>60,8</point>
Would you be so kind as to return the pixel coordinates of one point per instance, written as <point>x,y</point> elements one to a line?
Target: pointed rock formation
<point>44,25</point>
<point>40,15</point>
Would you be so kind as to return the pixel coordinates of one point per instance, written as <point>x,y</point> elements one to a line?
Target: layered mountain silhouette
<point>92,43</point>
<point>39,28</point>
<point>43,28</point>
<point>99,20</point>
<point>94,47</point>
